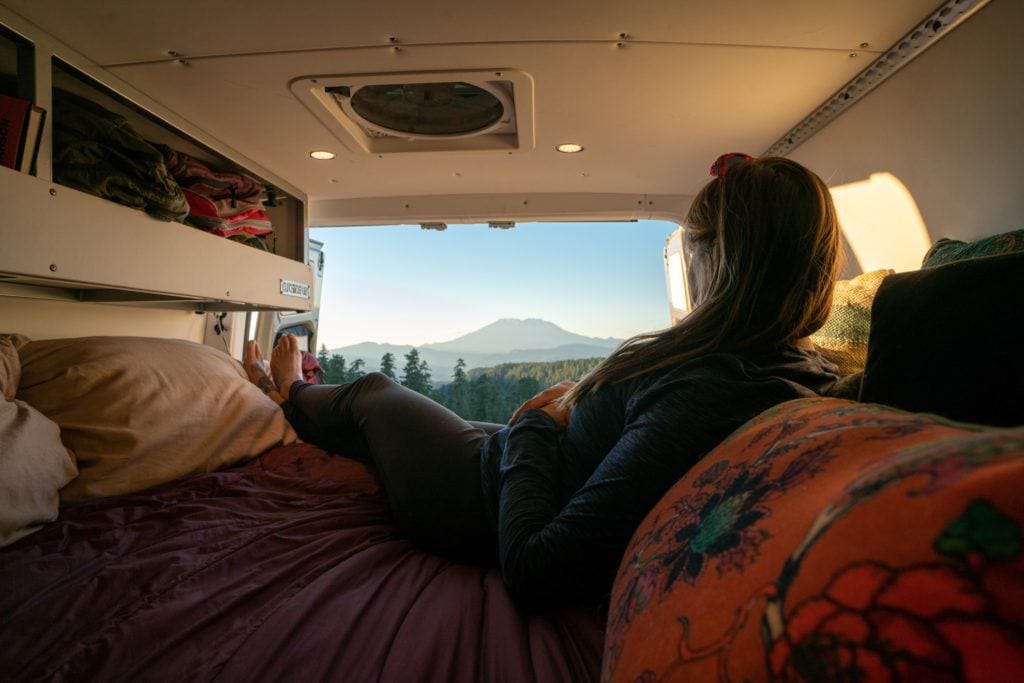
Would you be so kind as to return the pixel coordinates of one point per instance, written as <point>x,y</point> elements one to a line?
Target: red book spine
<point>13,114</point>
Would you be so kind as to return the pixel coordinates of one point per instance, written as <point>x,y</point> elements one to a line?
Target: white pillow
<point>10,366</point>
<point>34,466</point>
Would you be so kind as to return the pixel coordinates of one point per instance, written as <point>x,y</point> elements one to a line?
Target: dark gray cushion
<point>950,340</point>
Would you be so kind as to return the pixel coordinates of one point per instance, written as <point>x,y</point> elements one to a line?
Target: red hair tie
<point>727,162</point>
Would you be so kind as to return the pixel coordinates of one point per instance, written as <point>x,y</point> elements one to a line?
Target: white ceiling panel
<point>119,31</point>
<point>693,78</point>
<point>644,114</point>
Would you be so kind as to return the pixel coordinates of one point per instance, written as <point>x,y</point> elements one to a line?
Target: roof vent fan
<point>389,113</point>
<point>418,111</point>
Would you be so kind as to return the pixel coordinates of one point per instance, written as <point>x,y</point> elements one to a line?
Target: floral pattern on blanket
<point>829,540</point>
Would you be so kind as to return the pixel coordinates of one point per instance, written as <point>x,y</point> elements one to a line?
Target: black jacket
<point>566,502</point>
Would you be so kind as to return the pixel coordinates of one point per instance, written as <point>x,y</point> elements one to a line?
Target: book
<point>33,134</point>
<point>13,117</point>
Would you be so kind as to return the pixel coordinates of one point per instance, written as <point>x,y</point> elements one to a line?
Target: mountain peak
<point>512,334</point>
<point>521,322</point>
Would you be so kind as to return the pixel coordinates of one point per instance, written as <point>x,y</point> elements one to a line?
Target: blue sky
<point>405,285</point>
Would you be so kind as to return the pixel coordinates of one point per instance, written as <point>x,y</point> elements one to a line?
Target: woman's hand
<point>548,401</point>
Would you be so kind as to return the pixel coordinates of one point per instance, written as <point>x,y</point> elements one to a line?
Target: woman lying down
<point>555,496</point>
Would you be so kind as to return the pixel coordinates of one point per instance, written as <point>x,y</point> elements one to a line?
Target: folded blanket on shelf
<point>200,178</point>
<point>96,150</point>
<point>222,219</point>
<point>220,202</point>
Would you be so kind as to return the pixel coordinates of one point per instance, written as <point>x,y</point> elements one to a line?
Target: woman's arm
<point>552,554</point>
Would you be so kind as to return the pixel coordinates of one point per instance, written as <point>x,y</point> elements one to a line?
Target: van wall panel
<point>43,319</point>
<point>948,125</point>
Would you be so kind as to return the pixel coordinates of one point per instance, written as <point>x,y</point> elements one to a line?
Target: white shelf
<point>56,242</point>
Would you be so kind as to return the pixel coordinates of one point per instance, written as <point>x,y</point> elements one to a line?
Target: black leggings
<point>427,457</point>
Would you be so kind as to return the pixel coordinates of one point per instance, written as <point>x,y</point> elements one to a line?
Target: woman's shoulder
<point>790,364</point>
<point>805,366</point>
<point>725,388</point>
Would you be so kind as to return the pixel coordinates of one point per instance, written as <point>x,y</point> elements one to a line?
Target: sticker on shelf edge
<point>299,290</point>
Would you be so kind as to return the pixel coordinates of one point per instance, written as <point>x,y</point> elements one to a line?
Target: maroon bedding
<point>287,567</point>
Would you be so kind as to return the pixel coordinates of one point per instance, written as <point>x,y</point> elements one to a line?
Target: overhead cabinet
<point>57,242</point>
<point>95,250</point>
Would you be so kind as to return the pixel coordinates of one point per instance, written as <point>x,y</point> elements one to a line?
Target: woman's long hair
<point>764,246</point>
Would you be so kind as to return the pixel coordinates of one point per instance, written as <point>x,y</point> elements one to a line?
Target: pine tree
<point>335,371</point>
<point>459,375</point>
<point>387,365</point>
<point>428,387</point>
<point>457,392</point>
<point>355,371</point>
<point>416,374</point>
<point>321,357</point>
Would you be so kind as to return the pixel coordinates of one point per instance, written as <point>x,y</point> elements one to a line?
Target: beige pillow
<point>843,339</point>
<point>10,366</point>
<point>34,465</point>
<point>138,412</point>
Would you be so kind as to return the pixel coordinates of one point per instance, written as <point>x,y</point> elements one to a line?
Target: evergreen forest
<point>481,394</point>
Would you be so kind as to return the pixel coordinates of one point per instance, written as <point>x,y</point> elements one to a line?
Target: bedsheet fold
<point>287,567</point>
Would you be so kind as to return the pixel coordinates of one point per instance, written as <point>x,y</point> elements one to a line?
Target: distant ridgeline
<point>482,394</point>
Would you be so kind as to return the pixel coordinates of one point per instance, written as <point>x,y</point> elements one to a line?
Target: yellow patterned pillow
<point>843,339</point>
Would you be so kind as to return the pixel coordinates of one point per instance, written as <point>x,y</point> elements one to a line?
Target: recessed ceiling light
<point>321,154</point>
<point>569,147</point>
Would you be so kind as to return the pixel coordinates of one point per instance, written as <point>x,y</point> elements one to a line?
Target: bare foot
<point>286,364</point>
<point>255,370</point>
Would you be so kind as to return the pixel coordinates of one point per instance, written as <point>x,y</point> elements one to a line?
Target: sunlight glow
<point>882,223</point>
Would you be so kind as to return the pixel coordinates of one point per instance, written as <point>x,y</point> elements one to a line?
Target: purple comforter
<point>286,568</point>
